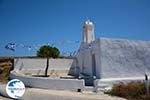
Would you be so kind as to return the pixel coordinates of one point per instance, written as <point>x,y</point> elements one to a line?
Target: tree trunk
<point>47,65</point>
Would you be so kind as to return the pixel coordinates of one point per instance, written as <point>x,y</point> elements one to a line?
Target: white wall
<point>37,65</point>
<point>84,57</point>
<point>115,58</point>
<point>124,58</point>
<point>48,83</point>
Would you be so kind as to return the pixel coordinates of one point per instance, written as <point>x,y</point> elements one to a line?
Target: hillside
<point>5,68</point>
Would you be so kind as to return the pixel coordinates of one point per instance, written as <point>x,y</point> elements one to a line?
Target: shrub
<point>131,90</point>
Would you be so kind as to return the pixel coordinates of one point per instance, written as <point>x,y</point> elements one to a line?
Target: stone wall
<point>37,66</point>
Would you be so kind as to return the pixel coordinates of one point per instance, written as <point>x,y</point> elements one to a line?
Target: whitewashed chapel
<point>100,61</point>
<point>110,59</point>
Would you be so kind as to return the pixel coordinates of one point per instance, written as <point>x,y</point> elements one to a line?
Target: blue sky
<point>37,22</point>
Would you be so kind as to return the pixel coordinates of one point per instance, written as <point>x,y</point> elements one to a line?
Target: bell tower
<point>88,32</point>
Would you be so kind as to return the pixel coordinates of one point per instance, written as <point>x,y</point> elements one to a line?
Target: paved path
<point>43,94</point>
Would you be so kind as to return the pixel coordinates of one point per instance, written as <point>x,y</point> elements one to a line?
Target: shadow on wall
<point>74,69</point>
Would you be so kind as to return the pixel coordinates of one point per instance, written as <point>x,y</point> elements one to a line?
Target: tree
<point>47,51</point>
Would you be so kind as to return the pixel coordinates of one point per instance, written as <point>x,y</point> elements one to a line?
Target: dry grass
<point>5,68</point>
<point>131,91</point>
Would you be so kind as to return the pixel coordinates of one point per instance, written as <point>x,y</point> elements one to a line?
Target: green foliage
<point>47,51</point>
<point>131,91</point>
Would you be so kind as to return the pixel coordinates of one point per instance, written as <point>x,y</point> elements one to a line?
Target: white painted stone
<point>37,66</point>
<point>49,83</point>
<point>113,58</point>
<point>88,32</point>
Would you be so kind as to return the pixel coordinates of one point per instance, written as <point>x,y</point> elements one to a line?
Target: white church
<point>99,63</point>
<point>110,59</point>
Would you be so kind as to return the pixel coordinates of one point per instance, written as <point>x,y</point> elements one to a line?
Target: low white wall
<point>37,66</point>
<point>48,83</point>
<point>36,63</point>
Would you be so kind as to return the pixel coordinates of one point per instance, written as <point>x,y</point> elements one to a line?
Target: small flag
<point>89,46</point>
<point>74,53</point>
<point>10,46</point>
<point>29,48</point>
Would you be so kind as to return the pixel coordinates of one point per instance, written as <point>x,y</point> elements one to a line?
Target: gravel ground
<point>43,94</point>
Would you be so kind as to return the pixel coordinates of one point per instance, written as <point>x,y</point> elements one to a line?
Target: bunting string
<point>13,46</point>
